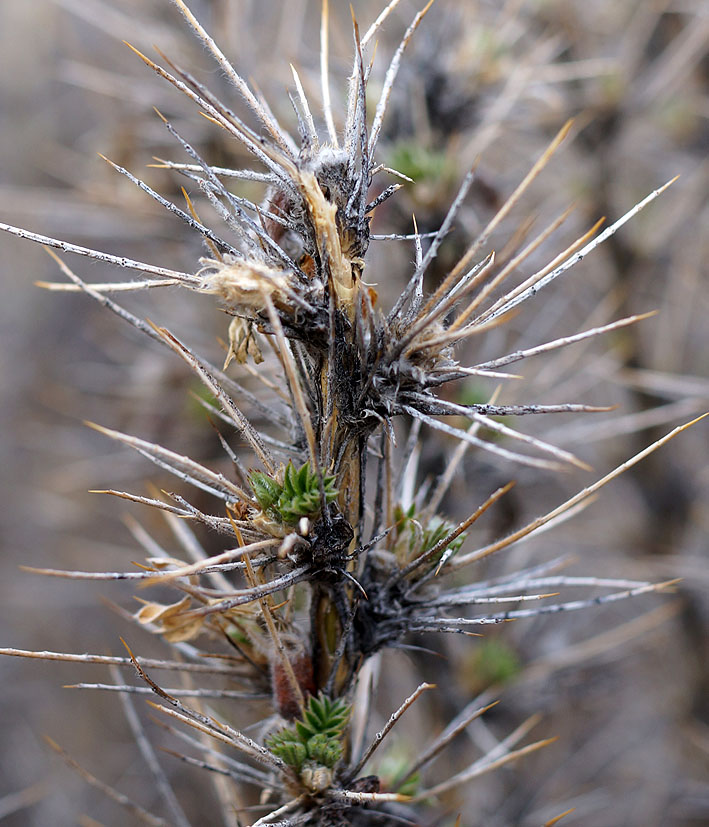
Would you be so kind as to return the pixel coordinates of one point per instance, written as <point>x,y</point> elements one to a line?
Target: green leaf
<point>304,731</point>
<point>313,719</point>
<point>412,538</point>
<point>492,662</point>
<point>315,737</point>
<point>300,494</point>
<point>292,753</point>
<point>420,163</point>
<point>288,486</point>
<point>265,488</point>
<point>325,751</point>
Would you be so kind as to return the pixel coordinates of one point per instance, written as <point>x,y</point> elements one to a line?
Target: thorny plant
<point>328,559</point>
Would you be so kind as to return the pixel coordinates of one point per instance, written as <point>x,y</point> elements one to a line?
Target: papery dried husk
<point>242,284</point>
<point>242,342</point>
<point>170,621</point>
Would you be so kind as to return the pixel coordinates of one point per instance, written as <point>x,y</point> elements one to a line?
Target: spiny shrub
<point>333,548</point>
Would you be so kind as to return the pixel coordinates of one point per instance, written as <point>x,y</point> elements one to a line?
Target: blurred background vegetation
<point>626,687</point>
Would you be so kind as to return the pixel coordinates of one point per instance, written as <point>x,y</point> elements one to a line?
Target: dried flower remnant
<point>330,560</point>
<point>169,620</point>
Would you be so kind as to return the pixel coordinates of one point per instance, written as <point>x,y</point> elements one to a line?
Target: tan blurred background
<point>631,706</point>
